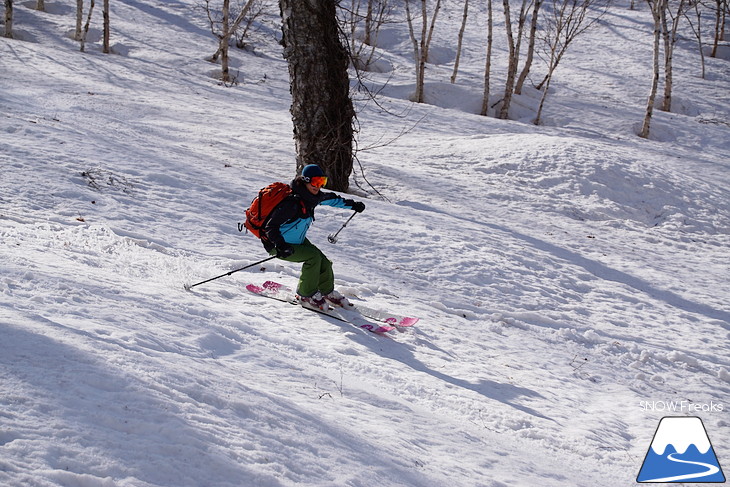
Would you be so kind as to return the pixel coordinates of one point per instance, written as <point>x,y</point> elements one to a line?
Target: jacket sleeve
<point>332,199</point>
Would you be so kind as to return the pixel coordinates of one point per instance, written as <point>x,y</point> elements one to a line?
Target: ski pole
<point>332,237</point>
<point>190,286</point>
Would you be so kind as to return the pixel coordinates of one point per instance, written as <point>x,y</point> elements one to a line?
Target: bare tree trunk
<point>670,38</point>
<point>8,19</point>
<point>106,27</point>
<point>225,36</point>
<point>514,56</point>
<point>460,41</point>
<point>375,15</point>
<point>657,6</point>
<point>368,23</point>
<point>223,46</point>
<point>504,112</point>
<point>377,19</point>
<point>698,33</point>
<point>79,19</point>
<point>668,44</point>
<point>322,111</point>
<point>723,23</point>
<point>433,24</point>
<point>565,20</point>
<point>353,15</point>
<point>719,26</point>
<point>86,26</point>
<point>530,47</point>
<point>548,78</point>
<point>421,46</point>
<point>423,54</point>
<point>488,67</point>
<point>416,55</point>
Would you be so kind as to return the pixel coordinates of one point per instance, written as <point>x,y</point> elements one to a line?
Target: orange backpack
<point>263,204</point>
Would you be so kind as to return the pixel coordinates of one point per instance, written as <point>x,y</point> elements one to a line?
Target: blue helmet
<point>312,171</point>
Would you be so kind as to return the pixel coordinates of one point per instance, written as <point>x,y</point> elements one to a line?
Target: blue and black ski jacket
<point>291,219</point>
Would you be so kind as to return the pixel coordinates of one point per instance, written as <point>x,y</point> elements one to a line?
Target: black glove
<point>283,251</point>
<point>357,206</point>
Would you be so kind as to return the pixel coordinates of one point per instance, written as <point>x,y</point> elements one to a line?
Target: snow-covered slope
<point>571,279</point>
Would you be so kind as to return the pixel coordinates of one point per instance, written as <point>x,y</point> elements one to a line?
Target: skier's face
<point>312,189</point>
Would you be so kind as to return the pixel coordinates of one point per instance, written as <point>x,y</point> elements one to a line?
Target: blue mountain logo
<point>681,452</point>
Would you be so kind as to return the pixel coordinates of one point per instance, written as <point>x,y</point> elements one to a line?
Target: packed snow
<point>571,279</point>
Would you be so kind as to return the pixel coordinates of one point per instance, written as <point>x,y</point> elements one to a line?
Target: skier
<point>285,235</point>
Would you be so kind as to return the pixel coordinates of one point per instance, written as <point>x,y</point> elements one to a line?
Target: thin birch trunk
<point>530,48</point>
<point>719,26</point>
<point>698,34</point>
<point>106,27</point>
<point>548,78</point>
<point>367,40</point>
<point>86,27</point>
<point>79,19</point>
<point>670,38</point>
<point>460,41</point>
<point>488,67</point>
<point>504,111</point>
<point>223,46</point>
<point>656,8</point>
<point>416,55</point>
<point>224,39</point>
<point>423,54</point>
<point>8,19</point>
<point>420,46</point>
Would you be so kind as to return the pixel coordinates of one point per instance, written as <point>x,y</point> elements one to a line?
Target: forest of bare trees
<point>546,28</point>
<point>535,34</point>
<point>81,29</point>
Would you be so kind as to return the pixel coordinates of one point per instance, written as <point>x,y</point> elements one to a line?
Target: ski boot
<point>338,299</point>
<point>316,301</point>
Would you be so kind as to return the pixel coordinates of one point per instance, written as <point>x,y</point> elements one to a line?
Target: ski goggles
<point>317,181</point>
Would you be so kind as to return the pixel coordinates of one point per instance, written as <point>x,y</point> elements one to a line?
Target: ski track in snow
<point>562,273</point>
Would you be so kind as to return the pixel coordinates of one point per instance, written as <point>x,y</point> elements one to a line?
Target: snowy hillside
<point>571,279</point>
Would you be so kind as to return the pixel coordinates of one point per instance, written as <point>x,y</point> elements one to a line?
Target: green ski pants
<point>316,273</point>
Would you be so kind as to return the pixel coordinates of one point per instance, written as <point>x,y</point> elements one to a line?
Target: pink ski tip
<point>274,286</point>
<point>254,288</point>
<point>378,329</point>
